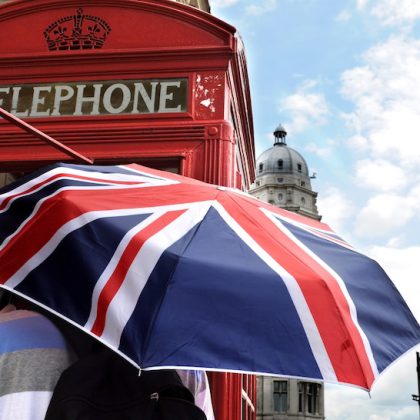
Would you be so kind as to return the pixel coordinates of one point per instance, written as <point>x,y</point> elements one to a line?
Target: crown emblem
<point>77,32</point>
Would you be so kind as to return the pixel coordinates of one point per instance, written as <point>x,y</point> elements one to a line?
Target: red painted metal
<point>211,140</point>
<point>39,134</point>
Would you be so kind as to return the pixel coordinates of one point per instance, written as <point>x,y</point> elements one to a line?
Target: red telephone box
<point>147,81</point>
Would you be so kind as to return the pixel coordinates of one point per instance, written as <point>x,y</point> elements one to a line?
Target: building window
<point>280,396</point>
<point>280,163</point>
<point>302,184</point>
<point>309,397</point>
<point>279,180</point>
<point>261,167</point>
<point>280,197</point>
<point>302,200</point>
<point>299,166</point>
<point>258,183</point>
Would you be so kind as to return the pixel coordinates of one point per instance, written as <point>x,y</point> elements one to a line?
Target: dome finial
<point>280,136</point>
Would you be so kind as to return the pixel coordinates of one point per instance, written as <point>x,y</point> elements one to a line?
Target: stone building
<point>283,179</point>
<point>200,4</point>
<point>285,399</point>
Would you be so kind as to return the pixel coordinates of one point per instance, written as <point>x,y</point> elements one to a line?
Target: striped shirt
<point>33,354</point>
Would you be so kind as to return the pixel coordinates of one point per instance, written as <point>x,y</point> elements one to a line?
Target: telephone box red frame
<point>148,39</point>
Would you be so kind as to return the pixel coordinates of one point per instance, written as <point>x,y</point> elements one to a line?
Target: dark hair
<point>5,297</point>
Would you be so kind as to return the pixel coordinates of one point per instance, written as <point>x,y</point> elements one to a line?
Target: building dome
<point>281,158</point>
<point>283,179</point>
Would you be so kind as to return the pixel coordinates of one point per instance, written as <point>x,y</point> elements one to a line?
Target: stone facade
<point>285,399</point>
<point>200,4</point>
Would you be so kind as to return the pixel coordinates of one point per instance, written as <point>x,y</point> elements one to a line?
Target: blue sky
<point>343,77</point>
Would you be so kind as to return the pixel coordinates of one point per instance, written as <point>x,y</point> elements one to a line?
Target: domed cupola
<point>283,178</point>
<point>281,158</point>
<point>280,136</point>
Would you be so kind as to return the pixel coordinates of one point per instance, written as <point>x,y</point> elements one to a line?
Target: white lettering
<point>165,96</point>
<point>126,96</point>
<point>37,100</point>
<point>96,98</point>
<point>149,101</point>
<point>15,102</point>
<point>60,97</point>
<point>80,99</point>
<point>4,90</point>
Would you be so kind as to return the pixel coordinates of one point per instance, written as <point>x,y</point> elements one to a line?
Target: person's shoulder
<point>26,329</point>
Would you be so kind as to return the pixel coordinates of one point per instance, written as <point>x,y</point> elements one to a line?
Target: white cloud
<point>322,149</point>
<point>358,143</point>
<point>316,149</point>
<point>386,96</point>
<point>261,7</point>
<point>305,107</point>
<point>343,16</point>
<point>397,12</point>
<point>402,267</point>
<point>383,215</point>
<point>361,4</point>
<point>390,397</point>
<point>413,198</point>
<point>335,209</point>
<point>402,13</point>
<point>380,175</point>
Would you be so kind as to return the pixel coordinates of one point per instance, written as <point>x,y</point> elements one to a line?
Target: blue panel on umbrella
<point>224,308</point>
<point>383,315</point>
<point>66,279</point>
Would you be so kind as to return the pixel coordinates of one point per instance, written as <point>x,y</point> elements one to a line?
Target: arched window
<point>281,197</point>
<point>280,163</point>
<point>299,166</point>
<point>261,167</point>
<point>302,200</point>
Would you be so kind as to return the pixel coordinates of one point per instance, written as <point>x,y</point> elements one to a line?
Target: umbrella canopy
<point>172,272</point>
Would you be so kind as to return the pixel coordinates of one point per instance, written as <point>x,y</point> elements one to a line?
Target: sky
<point>343,78</point>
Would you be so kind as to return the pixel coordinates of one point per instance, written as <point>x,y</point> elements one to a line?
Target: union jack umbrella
<point>172,272</point>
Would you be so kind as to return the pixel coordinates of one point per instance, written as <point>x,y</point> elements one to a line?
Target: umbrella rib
<point>157,310</point>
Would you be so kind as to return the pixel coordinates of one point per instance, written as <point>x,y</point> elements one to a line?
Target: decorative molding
<point>77,32</point>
